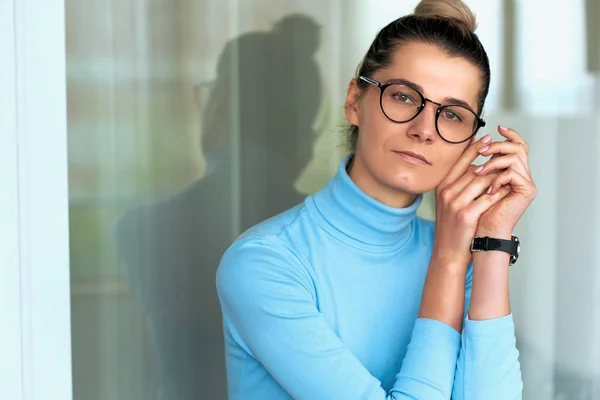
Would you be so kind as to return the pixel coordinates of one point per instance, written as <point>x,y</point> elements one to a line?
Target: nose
<point>422,127</point>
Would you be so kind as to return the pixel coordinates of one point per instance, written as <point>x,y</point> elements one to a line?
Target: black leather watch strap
<point>485,243</point>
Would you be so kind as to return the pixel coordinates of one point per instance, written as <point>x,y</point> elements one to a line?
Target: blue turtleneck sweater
<point>322,302</point>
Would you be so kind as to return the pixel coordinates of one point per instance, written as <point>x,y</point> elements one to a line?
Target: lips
<point>413,154</point>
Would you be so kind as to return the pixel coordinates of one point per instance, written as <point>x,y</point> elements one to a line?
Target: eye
<point>452,116</point>
<point>403,98</point>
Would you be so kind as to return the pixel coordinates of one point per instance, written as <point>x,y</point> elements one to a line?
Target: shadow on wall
<point>566,383</point>
<point>264,100</point>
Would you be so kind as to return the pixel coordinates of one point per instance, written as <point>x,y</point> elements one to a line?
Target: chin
<point>396,176</point>
<point>405,176</point>
<point>405,182</point>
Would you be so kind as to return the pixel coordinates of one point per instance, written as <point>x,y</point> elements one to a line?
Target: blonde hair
<point>455,11</point>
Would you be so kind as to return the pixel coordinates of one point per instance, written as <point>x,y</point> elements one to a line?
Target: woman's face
<point>379,163</point>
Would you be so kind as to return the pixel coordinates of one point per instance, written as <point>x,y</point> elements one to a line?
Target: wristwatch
<point>485,243</point>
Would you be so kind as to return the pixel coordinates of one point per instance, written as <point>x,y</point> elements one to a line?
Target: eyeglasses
<point>400,103</point>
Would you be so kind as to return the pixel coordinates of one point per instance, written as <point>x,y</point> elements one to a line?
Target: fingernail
<point>479,169</point>
<point>502,128</point>
<point>484,149</point>
<point>489,190</point>
<point>486,139</point>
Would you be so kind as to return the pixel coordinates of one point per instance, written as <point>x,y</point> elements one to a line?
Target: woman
<point>350,295</point>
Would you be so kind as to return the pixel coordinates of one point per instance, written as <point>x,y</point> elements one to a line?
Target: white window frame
<point>35,337</point>
<point>10,307</point>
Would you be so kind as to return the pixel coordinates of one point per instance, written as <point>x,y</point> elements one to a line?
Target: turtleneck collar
<point>354,217</point>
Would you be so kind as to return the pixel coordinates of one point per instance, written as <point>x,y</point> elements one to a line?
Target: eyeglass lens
<point>401,103</point>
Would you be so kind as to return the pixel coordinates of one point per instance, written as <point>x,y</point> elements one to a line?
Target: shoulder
<point>262,259</point>
<point>276,226</point>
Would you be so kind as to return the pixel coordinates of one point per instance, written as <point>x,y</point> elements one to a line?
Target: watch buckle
<point>485,243</point>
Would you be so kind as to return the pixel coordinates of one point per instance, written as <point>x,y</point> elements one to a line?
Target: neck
<point>376,189</point>
<point>352,216</point>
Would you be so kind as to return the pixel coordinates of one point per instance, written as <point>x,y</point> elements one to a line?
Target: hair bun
<point>453,10</point>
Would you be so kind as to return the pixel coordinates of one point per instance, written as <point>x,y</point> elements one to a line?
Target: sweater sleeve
<point>269,307</point>
<point>488,363</point>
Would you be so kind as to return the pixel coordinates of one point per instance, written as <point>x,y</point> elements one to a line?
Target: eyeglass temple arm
<point>369,81</point>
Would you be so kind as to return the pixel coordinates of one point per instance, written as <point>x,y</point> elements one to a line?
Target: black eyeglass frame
<point>424,100</point>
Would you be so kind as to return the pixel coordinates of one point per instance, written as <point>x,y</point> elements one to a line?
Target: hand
<point>461,200</point>
<point>509,165</point>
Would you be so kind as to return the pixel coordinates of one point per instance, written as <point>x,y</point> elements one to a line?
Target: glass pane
<point>190,121</point>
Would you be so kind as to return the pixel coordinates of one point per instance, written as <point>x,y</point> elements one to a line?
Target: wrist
<point>494,233</point>
<point>491,258</point>
<point>449,262</point>
<point>495,246</point>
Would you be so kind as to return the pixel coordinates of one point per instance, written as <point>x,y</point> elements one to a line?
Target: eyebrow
<point>419,88</point>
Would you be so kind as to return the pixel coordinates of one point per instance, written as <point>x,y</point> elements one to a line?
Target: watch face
<point>515,257</point>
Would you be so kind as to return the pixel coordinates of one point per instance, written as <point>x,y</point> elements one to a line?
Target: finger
<point>466,159</point>
<point>486,201</point>
<point>506,148</point>
<point>464,180</point>
<point>502,163</point>
<point>512,135</point>
<point>450,192</point>
<point>517,181</point>
<point>475,189</point>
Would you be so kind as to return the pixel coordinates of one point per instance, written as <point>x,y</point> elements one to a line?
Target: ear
<point>351,104</point>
